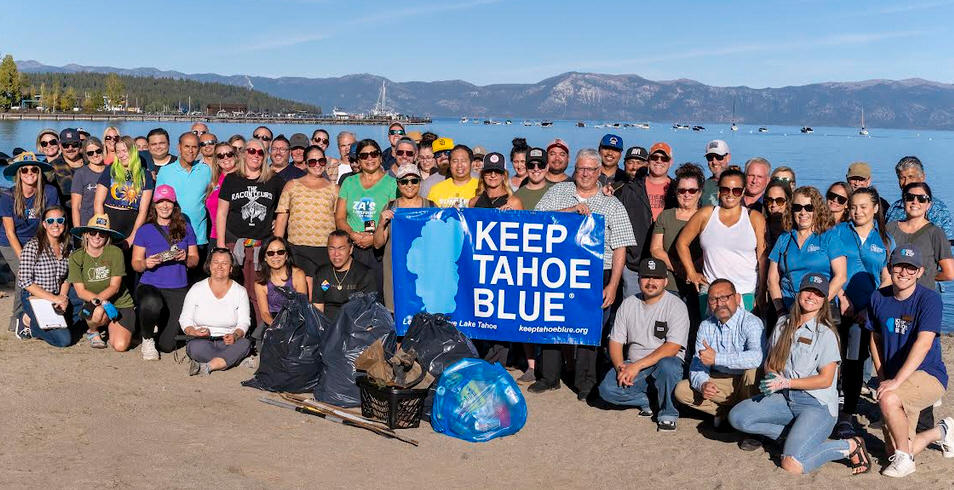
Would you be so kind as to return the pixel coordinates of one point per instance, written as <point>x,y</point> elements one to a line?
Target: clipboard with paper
<point>47,317</point>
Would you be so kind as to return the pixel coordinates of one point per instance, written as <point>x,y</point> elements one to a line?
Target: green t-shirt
<point>95,273</point>
<point>366,204</point>
<point>530,197</point>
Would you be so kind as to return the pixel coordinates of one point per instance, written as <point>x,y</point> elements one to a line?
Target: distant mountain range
<point>911,103</point>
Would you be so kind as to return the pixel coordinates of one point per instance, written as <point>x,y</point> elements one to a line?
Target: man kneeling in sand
<point>654,324</point>
<point>729,349</point>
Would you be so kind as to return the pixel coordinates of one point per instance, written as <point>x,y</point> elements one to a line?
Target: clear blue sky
<point>758,44</point>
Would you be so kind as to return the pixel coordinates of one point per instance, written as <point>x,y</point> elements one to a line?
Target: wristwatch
<point>96,301</point>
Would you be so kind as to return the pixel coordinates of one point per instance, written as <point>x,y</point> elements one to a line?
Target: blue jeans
<point>666,375</point>
<point>798,416</point>
<point>57,337</point>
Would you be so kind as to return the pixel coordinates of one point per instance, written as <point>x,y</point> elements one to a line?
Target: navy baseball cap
<point>814,281</point>
<point>612,142</point>
<point>907,254</point>
<point>69,135</point>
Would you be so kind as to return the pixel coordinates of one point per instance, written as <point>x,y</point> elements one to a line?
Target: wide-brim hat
<point>99,222</point>
<point>25,159</point>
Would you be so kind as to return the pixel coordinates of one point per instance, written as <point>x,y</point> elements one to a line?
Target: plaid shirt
<point>619,231</point>
<point>739,344</point>
<point>43,269</point>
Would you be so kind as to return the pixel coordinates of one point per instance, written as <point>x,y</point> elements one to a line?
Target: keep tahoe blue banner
<point>520,276</point>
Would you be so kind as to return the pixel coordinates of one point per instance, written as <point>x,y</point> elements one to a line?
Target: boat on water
<point>698,128</point>
<point>642,125</point>
<point>580,124</point>
<point>763,129</point>
<point>528,123</point>
<point>508,122</point>
<point>340,114</point>
<point>463,120</point>
<point>680,126</point>
<point>807,130</point>
<point>734,127</point>
<point>864,130</point>
<point>546,123</point>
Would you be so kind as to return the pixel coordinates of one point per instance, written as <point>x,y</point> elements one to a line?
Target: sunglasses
<point>311,162</point>
<point>91,153</point>
<point>921,198</point>
<point>208,143</point>
<point>262,137</point>
<point>712,156</point>
<point>409,181</point>
<point>199,133</point>
<point>838,198</point>
<point>809,208</point>
<point>98,233</point>
<point>254,151</point>
<point>58,221</point>
<point>44,144</point>
<point>72,146</point>
<point>536,165</point>
<point>687,190</point>
<point>29,170</point>
<point>320,141</point>
<point>659,158</point>
<point>111,138</point>
<point>272,253</point>
<point>369,154</point>
<point>404,153</point>
<point>393,132</point>
<point>778,201</point>
<point>735,191</point>
<point>228,154</point>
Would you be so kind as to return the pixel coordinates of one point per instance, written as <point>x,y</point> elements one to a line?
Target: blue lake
<point>818,159</point>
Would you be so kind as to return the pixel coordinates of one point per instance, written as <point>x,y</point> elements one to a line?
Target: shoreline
<point>364,121</point>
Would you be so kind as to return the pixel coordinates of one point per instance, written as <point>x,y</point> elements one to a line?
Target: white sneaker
<point>947,443</point>
<point>149,352</point>
<point>902,465</point>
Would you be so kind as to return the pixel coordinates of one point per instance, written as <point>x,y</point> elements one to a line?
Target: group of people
<point>741,294</point>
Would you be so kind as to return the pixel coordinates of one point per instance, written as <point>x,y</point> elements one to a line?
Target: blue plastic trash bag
<point>477,401</point>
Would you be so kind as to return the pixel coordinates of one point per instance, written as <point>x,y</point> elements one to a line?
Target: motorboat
<point>763,129</point>
<point>807,130</point>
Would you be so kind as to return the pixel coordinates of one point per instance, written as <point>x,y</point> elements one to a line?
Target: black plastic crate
<point>396,407</point>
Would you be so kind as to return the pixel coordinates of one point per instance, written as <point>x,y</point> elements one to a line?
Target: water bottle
<point>854,342</point>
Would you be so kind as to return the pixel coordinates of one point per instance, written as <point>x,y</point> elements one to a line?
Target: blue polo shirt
<point>865,261</point>
<point>27,225</point>
<point>190,189</point>
<point>899,322</point>
<point>815,255</point>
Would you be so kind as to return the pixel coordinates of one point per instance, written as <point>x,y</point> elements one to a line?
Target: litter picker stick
<point>364,422</point>
<point>331,417</point>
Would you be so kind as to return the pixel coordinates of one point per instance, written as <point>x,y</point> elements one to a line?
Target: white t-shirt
<point>221,316</point>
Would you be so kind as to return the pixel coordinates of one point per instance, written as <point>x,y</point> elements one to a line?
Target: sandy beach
<point>83,418</point>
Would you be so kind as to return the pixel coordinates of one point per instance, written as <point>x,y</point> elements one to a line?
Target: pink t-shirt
<point>212,204</point>
<point>657,197</point>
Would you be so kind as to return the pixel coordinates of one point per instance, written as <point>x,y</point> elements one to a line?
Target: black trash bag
<point>439,345</point>
<point>290,354</point>
<point>361,321</point>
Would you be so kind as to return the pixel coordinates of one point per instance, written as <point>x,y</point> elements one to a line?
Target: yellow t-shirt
<point>447,194</point>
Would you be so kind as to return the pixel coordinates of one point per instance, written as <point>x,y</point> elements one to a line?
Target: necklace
<point>335,272</point>
<point>493,200</point>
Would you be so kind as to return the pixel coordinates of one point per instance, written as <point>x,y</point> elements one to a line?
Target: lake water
<point>818,159</point>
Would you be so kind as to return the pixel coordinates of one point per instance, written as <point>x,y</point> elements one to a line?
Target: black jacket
<point>636,201</point>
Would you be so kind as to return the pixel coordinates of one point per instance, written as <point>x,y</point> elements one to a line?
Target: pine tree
<point>11,83</point>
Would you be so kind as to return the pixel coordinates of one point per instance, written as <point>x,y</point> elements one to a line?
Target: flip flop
<point>95,340</point>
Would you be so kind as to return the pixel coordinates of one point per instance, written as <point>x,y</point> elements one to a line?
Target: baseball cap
<point>69,135</point>
<point>493,161</point>
<point>907,254</point>
<point>661,146</point>
<point>298,140</point>
<point>814,281</point>
<point>612,142</point>
<point>558,143</point>
<point>442,144</point>
<point>651,267</point>
<point>407,169</point>
<point>415,135</point>
<point>479,151</point>
<point>717,147</point>
<point>637,152</point>
<point>82,131</point>
<point>164,193</point>
<point>859,169</point>
<point>537,155</point>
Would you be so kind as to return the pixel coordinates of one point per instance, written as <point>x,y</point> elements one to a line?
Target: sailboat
<point>864,130</point>
<point>733,127</point>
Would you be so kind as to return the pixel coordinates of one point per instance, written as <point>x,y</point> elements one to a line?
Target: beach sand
<point>83,418</point>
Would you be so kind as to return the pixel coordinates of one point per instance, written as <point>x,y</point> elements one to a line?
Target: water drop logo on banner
<point>516,276</point>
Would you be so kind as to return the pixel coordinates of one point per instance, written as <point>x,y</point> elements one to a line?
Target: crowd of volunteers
<point>769,306</point>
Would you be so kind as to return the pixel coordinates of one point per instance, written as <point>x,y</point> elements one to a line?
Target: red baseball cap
<point>663,147</point>
<point>558,143</point>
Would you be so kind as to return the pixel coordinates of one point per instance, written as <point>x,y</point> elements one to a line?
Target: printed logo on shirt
<point>31,214</point>
<point>365,208</point>
<point>876,249</point>
<point>899,326</point>
<point>253,210</point>
<point>325,285</point>
<point>97,274</point>
<point>124,193</point>
<point>812,248</point>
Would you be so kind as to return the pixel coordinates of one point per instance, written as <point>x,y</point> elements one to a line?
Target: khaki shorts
<point>919,391</point>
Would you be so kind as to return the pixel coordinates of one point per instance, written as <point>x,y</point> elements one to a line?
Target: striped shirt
<point>618,229</point>
<point>739,344</point>
<point>43,269</point>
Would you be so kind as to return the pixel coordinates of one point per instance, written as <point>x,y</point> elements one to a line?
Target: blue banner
<point>518,276</point>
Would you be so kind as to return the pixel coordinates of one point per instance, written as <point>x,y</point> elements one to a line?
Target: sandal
<point>95,340</point>
<point>864,459</point>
